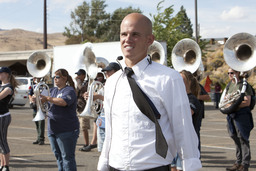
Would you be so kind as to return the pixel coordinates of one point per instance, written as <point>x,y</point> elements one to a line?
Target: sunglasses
<point>230,73</point>
<point>57,77</point>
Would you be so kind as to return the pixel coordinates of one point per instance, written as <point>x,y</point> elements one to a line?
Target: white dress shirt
<point>130,136</point>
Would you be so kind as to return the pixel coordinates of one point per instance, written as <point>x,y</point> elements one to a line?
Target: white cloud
<point>215,32</point>
<point>234,13</point>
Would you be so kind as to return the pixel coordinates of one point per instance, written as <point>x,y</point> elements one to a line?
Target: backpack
<point>253,99</point>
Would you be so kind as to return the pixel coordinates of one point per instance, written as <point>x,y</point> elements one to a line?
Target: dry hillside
<point>19,40</point>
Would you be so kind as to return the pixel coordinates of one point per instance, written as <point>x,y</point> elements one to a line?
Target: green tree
<point>184,23</point>
<point>88,22</point>
<point>99,19</point>
<point>78,23</point>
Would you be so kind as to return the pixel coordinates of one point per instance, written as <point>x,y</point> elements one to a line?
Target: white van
<point>21,94</point>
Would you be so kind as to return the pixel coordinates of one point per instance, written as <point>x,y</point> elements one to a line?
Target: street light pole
<point>45,26</point>
<point>196,25</point>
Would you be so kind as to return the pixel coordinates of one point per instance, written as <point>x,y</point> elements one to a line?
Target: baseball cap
<point>80,72</point>
<point>111,66</point>
<point>5,69</point>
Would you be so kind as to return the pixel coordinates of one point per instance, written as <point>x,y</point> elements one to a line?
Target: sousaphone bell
<point>38,65</point>
<point>157,53</point>
<point>186,55</point>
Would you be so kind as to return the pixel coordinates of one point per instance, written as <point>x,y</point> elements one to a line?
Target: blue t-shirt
<point>63,118</point>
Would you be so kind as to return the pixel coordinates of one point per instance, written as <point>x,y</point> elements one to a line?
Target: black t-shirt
<point>5,101</point>
<point>196,107</point>
<point>202,92</point>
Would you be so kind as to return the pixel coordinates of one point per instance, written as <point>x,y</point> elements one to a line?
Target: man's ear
<point>151,39</point>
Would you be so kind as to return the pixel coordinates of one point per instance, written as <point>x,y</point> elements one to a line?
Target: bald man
<point>130,142</point>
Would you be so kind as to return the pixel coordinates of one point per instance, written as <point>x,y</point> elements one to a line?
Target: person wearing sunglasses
<point>63,124</point>
<point>240,123</point>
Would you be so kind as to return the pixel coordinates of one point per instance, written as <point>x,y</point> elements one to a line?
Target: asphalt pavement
<point>218,150</point>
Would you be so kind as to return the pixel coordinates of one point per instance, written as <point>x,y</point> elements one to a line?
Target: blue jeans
<point>63,146</point>
<point>100,138</point>
<point>176,163</point>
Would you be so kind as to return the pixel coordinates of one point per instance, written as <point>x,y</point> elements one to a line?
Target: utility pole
<point>196,25</point>
<point>45,25</point>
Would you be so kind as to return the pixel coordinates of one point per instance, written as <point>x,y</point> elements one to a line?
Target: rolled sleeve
<point>102,164</point>
<point>192,164</point>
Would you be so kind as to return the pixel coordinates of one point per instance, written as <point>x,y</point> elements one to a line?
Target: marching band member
<point>40,125</point>
<point>240,124</point>
<point>93,144</point>
<point>82,85</point>
<point>7,90</point>
<point>63,124</point>
<point>132,137</point>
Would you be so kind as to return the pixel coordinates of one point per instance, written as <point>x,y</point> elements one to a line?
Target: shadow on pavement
<point>219,161</point>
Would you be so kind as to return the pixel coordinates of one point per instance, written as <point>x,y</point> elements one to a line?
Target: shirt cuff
<point>192,164</point>
<point>102,165</point>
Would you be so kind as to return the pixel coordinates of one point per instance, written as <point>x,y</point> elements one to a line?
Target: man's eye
<point>135,34</point>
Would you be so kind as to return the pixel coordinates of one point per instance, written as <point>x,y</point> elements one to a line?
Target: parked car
<point>21,95</point>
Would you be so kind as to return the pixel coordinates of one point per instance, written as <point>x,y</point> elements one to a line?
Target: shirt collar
<point>139,68</point>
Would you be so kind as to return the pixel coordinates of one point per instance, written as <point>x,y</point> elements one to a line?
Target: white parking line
<point>218,147</point>
<point>23,159</point>
<point>214,136</point>
<point>16,127</point>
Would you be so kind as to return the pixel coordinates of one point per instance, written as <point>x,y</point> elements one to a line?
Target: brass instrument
<point>186,55</point>
<point>93,107</point>
<point>157,53</point>
<point>239,54</point>
<point>38,65</point>
<point>229,98</point>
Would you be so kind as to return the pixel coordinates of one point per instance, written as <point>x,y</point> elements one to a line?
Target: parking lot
<point>218,150</point>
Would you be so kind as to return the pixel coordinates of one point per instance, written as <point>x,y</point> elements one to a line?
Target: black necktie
<point>148,109</point>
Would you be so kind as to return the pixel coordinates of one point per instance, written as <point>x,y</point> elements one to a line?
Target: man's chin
<point>128,56</point>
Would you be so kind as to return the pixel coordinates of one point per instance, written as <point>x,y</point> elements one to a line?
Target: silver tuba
<point>38,65</point>
<point>186,55</point>
<point>92,64</point>
<point>157,53</point>
<point>239,54</point>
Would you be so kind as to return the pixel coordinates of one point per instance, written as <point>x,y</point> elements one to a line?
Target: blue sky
<point>217,18</point>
